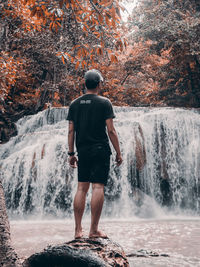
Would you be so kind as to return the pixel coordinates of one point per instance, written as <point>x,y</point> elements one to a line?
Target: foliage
<point>131,80</point>
<point>173,27</point>
<point>47,45</point>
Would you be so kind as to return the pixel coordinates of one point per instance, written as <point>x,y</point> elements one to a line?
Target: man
<point>88,116</point>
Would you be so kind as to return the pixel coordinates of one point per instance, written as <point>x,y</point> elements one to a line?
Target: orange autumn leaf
<point>63,59</point>
<point>56,96</point>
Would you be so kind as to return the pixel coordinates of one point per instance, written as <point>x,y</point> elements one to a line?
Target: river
<point>176,240</point>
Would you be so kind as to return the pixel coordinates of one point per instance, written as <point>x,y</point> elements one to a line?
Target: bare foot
<point>97,234</point>
<point>78,234</point>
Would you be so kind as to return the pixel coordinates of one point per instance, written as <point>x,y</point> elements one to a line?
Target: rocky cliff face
<point>10,114</point>
<point>7,128</point>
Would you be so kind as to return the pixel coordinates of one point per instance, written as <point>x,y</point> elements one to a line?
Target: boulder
<point>96,252</point>
<point>7,129</point>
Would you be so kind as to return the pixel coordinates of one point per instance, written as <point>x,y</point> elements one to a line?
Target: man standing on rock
<point>88,116</point>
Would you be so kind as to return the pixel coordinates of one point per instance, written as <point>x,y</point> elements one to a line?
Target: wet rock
<point>8,256</point>
<point>80,252</point>
<point>166,191</point>
<point>146,253</point>
<point>7,129</point>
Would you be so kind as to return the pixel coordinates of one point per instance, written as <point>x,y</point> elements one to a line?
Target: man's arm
<point>114,139</point>
<point>71,133</point>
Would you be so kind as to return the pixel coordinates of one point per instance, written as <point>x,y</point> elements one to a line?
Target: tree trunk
<point>8,257</point>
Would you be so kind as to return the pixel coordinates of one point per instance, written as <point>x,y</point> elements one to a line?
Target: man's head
<point>92,79</point>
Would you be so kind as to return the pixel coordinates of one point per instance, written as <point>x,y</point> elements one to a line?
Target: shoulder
<point>76,101</point>
<point>104,100</point>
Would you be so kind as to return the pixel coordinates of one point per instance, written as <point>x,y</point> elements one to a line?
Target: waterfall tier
<point>160,170</point>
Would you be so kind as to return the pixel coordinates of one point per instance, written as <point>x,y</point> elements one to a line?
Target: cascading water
<point>161,164</point>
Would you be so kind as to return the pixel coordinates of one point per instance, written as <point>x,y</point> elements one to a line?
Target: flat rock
<point>146,253</point>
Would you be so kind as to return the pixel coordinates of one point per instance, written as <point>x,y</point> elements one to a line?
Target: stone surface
<point>146,253</point>
<point>8,256</point>
<point>7,129</point>
<point>80,252</point>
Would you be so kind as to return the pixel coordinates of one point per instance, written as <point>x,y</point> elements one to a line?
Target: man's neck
<point>94,92</point>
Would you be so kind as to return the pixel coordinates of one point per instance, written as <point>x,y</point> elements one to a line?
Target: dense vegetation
<point>46,46</point>
<point>173,30</point>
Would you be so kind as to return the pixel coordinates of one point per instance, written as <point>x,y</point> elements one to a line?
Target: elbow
<point>111,132</point>
<point>70,133</point>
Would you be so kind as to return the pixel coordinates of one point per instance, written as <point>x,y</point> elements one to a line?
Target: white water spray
<point>161,164</point>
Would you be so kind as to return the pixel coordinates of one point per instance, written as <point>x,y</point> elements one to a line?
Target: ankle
<point>78,228</point>
<point>94,230</point>
<point>94,227</point>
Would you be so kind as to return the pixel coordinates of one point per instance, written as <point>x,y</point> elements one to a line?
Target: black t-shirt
<point>89,114</point>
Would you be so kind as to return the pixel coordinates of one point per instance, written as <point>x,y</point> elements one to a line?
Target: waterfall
<point>160,170</point>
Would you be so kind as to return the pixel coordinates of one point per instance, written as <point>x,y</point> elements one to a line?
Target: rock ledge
<point>83,252</point>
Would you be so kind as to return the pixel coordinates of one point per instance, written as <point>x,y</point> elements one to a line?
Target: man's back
<point>89,114</point>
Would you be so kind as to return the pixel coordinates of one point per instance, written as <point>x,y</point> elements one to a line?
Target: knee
<point>83,188</point>
<point>96,186</point>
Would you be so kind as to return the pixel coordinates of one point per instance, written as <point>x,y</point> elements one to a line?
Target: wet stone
<point>146,253</point>
<point>80,252</point>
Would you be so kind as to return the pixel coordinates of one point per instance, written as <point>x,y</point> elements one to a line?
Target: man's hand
<point>118,159</point>
<point>73,161</point>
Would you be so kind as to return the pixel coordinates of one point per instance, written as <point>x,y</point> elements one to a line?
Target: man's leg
<point>96,208</point>
<point>79,206</point>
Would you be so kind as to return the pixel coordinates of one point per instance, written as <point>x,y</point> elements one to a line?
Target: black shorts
<point>94,164</point>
